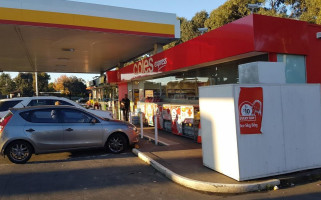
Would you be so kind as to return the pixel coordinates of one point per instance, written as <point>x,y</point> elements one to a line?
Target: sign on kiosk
<point>250,110</point>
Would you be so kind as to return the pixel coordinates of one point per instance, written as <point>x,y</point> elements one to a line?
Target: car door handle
<point>69,129</point>
<point>30,130</point>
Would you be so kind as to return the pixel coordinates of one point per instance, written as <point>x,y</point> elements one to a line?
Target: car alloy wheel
<point>116,143</point>
<point>19,152</point>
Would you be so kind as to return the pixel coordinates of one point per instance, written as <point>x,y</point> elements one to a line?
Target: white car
<point>22,102</point>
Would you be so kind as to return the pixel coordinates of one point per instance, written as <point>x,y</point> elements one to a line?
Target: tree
<point>311,11</point>
<point>59,84</point>
<point>51,87</point>
<point>305,10</point>
<point>199,19</point>
<point>24,84</point>
<point>70,85</point>
<point>6,84</point>
<point>43,81</point>
<point>172,44</point>
<point>75,86</point>
<point>282,8</point>
<point>295,8</point>
<point>189,29</point>
<point>230,11</point>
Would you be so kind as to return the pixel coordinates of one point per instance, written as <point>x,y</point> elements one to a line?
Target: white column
<point>156,130</point>
<point>36,77</point>
<point>141,126</point>
<point>130,117</point>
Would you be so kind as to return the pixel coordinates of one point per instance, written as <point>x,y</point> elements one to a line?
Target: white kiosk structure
<point>262,126</point>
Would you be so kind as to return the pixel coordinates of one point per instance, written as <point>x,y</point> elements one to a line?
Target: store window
<point>295,68</point>
<point>182,87</point>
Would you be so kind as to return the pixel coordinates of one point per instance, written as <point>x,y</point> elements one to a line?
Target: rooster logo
<point>257,107</point>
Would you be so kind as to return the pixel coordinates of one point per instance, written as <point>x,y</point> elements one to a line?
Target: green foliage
<point>170,45</point>
<point>295,8</point>
<point>189,28</point>
<point>230,11</point>
<point>24,84</point>
<point>43,81</point>
<point>6,84</point>
<point>51,87</point>
<point>311,11</point>
<point>75,86</point>
<point>182,20</point>
<point>281,8</point>
<point>305,10</point>
<point>199,19</point>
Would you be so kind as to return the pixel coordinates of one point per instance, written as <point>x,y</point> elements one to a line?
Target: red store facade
<point>166,84</point>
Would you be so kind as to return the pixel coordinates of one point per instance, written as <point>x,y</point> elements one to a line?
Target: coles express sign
<point>148,66</point>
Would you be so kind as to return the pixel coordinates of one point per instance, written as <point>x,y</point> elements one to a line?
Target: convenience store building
<point>166,84</point>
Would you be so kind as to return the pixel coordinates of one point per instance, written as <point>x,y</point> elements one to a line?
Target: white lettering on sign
<point>148,65</point>
<point>144,66</point>
<point>161,63</point>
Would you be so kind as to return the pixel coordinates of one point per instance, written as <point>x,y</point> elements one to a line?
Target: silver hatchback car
<point>44,129</point>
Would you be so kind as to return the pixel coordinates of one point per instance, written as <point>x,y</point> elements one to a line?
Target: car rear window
<point>41,116</point>
<point>5,105</point>
<point>39,102</point>
<point>26,116</point>
<point>65,103</point>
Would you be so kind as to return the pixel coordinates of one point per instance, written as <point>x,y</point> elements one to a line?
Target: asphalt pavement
<point>95,174</point>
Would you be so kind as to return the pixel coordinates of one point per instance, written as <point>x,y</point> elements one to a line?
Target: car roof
<point>35,97</point>
<point>43,107</point>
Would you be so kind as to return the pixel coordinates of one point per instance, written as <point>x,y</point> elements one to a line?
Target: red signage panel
<point>232,39</point>
<point>112,76</point>
<point>250,107</point>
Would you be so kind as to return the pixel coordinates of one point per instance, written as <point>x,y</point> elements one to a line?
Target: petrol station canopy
<point>75,37</point>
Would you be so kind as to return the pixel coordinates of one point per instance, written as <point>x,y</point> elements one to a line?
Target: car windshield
<point>5,105</point>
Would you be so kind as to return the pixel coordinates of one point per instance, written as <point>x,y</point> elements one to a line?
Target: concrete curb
<point>207,186</point>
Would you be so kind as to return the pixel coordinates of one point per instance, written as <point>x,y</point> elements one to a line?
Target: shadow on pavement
<point>88,154</point>
<point>39,179</point>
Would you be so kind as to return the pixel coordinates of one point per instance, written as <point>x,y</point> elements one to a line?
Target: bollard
<point>156,130</point>
<point>121,115</point>
<point>141,126</point>
<point>130,117</point>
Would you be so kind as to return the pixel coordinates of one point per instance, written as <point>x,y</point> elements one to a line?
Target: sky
<point>182,8</point>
